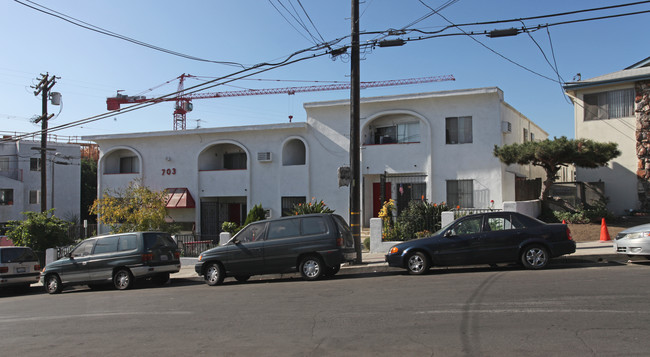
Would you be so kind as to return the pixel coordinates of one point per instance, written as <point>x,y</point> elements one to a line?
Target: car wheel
<point>123,279</point>
<point>214,274</point>
<point>535,257</point>
<point>311,267</point>
<point>331,271</point>
<point>242,278</point>
<point>53,284</point>
<point>418,263</point>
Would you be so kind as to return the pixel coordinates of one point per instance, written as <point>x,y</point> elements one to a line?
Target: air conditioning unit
<point>264,156</point>
<point>506,127</point>
<point>268,213</point>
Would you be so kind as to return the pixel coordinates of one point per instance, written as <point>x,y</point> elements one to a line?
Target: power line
<point>102,31</point>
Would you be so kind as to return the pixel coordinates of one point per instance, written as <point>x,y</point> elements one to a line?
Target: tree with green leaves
<point>135,208</point>
<point>255,214</point>
<point>88,188</point>
<point>551,155</point>
<point>40,231</point>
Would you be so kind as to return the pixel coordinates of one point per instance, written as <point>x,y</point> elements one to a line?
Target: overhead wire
<point>100,30</point>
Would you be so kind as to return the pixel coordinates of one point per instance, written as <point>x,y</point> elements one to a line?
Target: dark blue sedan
<point>485,238</point>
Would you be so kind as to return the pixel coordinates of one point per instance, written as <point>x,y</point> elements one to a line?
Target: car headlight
<point>637,235</point>
<point>394,250</point>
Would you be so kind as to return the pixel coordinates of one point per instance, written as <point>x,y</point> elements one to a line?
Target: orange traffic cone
<point>604,234</point>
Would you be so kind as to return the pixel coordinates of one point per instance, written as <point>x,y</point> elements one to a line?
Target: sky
<point>93,66</point>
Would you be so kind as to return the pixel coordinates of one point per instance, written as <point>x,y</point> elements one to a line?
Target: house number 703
<point>168,172</point>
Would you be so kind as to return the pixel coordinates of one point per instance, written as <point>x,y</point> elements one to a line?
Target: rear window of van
<point>153,241</point>
<point>14,255</point>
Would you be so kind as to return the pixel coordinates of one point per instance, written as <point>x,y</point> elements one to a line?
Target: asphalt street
<point>597,309</point>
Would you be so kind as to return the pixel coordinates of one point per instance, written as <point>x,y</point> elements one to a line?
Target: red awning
<point>179,198</point>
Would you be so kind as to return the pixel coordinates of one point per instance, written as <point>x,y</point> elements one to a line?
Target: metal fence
<point>192,245</point>
<point>462,212</point>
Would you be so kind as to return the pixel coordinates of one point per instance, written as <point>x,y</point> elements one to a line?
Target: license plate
<point>21,270</point>
<point>164,257</point>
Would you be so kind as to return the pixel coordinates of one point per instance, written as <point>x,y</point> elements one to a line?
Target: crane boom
<point>184,105</point>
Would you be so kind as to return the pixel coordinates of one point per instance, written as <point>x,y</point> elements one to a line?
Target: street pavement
<point>586,252</point>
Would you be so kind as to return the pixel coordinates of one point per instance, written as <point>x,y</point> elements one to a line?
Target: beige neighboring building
<point>614,108</point>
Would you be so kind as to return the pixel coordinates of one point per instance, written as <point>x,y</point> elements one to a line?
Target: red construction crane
<point>184,101</point>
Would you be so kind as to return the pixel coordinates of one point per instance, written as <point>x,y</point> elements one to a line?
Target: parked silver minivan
<point>118,259</point>
<point>19,266</point>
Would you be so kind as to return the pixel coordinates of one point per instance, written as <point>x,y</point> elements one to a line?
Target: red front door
<point>376,197</point>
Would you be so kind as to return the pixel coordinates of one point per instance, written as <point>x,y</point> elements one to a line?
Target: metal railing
<point>191,245</point>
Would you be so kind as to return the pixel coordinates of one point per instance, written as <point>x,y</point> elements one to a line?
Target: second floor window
<point>399,133</point>
<point>6,197</point>
<point>234,161</point>
<point>458,130</point>
<point>609,105</point>
<point>35,164</point>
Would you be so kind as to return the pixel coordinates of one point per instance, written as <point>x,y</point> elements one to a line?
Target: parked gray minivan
<point>315,245</point>
<point>19,266</point>
<point>117,258</point>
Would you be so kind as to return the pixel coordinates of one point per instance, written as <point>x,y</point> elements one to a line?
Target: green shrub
<point>230,227</point>
<point>255,214</point>
<point>310,207</point>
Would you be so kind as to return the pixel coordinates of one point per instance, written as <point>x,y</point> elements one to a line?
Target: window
<point>467,226</point>
<point>128,242</point>
<point>234,161</point>
<point>532,136</point>
<point>399,133</point>
<point>4,164</point>
<point>458,130</point>
<point>128,164</point>
<point>106,245</point>
<point>35,164</point>
<point>460,193</point>
<point>609,105</point>
<point>253,232</point>
<point>313,225</point>
<point>525,135</point>
<point>503,222</point>
<point>284,229</point>
<point>294,153</point>
<point>6,197</point>
<point>20,255</point>
<point>84,248</point>
<point>34,197</point>
<point>289,202</point>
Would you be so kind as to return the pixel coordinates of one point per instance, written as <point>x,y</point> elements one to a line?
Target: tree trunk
<point>551,175</point>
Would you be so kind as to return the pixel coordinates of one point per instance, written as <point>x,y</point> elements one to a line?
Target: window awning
<point>179,198</point>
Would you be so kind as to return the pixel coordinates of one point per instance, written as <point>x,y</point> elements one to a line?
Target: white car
<point>634,241</point>
<point>19,266</point>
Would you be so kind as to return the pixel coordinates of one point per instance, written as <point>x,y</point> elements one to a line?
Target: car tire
<point>331,271</point>
<point>311,267</point>
<point>214,274</point>
<point>418,263</point>
<point>242,278</point>
<point>53,284</point>
<point>535,257</point>
<point>123,279</point>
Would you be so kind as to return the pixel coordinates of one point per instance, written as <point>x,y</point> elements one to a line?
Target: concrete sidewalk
<point>587,252</point>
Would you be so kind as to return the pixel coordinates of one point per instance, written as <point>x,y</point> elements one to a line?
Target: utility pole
<point>43,88</point>
<point>355,114</point>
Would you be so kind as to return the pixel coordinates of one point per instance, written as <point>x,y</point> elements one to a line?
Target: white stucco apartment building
<point>435,146</point>
<point>20,179</point>
<point>605,111</point>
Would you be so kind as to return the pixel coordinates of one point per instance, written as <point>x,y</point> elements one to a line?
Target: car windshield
<point>13,255</point>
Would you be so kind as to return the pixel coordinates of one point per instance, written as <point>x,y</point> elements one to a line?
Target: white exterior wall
<point>326,139</point>
<point>620,174</point>
<point>64,196</point>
